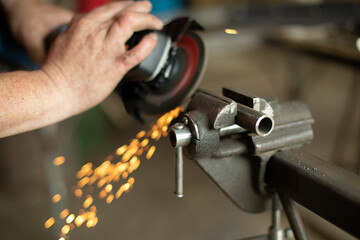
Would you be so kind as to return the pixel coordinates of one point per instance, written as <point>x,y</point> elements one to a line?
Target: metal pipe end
<point>264,126</point>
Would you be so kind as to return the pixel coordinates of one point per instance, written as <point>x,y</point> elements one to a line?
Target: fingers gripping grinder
<point>169,75</point>
<point>166,78</point>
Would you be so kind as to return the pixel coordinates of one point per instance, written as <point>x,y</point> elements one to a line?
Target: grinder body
<point>169,75</point>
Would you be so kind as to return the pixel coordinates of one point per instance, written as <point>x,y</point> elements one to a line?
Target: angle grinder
<point>165,79</point>
<point>170,74</point>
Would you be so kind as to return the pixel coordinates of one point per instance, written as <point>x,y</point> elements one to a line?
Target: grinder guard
<point>178,76</point>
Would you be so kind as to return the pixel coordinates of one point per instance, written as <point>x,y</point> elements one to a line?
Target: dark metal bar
<point>327,190</point>
<point>293,217</point>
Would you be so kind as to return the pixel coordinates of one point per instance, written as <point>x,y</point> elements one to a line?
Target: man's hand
<point>31,21</point>
<point>84,65</point>
<point>90,58</point>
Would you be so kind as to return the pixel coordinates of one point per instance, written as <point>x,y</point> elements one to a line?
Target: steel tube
<point>254,121</point>
<point>330,192</point>
<point>232,129</point>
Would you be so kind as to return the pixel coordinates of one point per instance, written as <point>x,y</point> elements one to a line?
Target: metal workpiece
<point>323,188</point>
<point>293,129</point>
<point>254,121</point>
<point>251,101</point>
<point>232,129</point>
<point>220,111</point>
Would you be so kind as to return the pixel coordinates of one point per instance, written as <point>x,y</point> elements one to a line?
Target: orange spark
<point>121,150</point>
<point>111,172</point>
<point>64,213</point>
<point>126,187</point>
<point>89,223</point>
<point>70,218</point>
<point>140,134</point>
<point>49,222</point>
<point>83,182</point>
<point>131,181</point>
<point>89,200</point>
<point>155,134</point>
<point>95,221</point>
<point>85,170</point>
<point>231,31</point>
<point>134,142</point>
<point>108,188</point>
<point>124,175</point>
<point>164,128</point>
<point>56,198</point>
<point>78,193</point>
<point>72,226</point>
<point>59,160</point>
<point>102,182</point>
<point>150,152</point>
<point>133,160</point>
<point>79,220</point>
<point>144,142</point>
<point>102,194</point>
<point>109,199</point>
<point>65,230</point>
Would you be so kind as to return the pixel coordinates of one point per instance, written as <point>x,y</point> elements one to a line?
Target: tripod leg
<point>293,217</point>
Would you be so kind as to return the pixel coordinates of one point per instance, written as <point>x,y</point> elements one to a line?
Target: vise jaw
<point>231,137</point>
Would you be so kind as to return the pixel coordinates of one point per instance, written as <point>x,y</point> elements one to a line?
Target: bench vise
<point>249,146</point>
<point>231,138</point>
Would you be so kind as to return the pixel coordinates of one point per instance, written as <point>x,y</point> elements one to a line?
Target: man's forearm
<point>30,21</point>
<point>14,8</point>
<point>83,66</point>
<point>8,5</point>
<point>30,100</point>
<point>11,6</point>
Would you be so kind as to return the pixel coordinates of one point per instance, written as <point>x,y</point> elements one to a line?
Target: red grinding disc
<point>184,78</point>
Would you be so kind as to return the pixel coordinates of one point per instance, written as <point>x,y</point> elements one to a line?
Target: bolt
<point>179,126</point>
<point>185,120</point>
